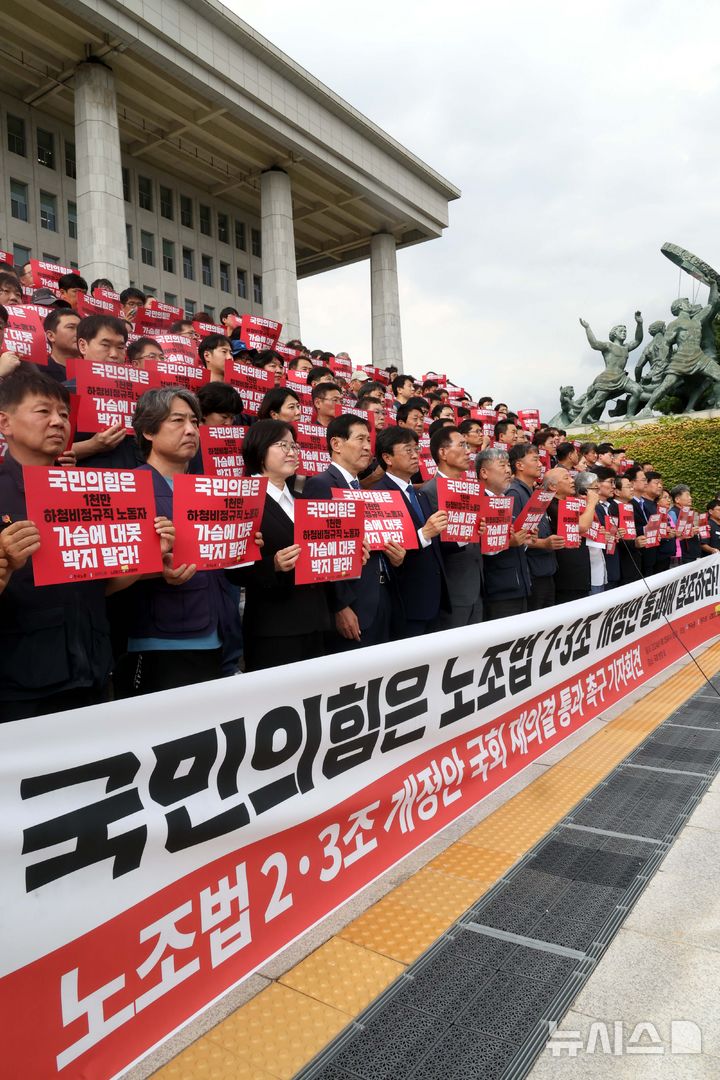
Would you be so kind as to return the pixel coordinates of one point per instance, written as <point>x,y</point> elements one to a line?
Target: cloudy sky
<point>582,137</point>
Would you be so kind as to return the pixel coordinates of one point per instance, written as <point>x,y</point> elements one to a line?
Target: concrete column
<point>102,242</point>
<point>385,302</point>
<point>279,269</point>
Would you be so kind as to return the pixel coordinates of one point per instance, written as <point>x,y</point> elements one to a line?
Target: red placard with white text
<point>704,526</point>
<point>216,519</point>
<point>596,532</point>
<point>108,393</point>
<point>568,525</point>
<point>529,419</point>
<point>488,418</point>
<point>258,333</point>
<point>330,534</point>
<point>206,328</point>
<point>153,306</point>
<point>24,333</point>
<point>93,523</point>
<point>252,383</point>
<point>101,293</point>
<point>6,258</point>
<point>652,531</point>
<point>47,274</point>
<point>178,371</point>
<point>387,519</point>
<point>461,501</point>
<point>685,523</point>
<point>221,449</point>
<point>534,510</point>
<point>314,454</point>
<point>665,522</point>
<point>627,520</point>
<point>97,305</point>
<point>496,511</point>
<point>611,528</point>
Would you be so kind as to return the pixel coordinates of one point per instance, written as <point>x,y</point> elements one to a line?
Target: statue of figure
<point>614,380</point>
<point>656,354</point>
<point>569,408</point>
<point>688,332</point>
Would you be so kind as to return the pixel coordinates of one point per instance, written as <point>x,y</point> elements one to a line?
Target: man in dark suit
<point>423,585</point>
<point>365,608</point>
<point>643,509</point>
<point>463,562</point>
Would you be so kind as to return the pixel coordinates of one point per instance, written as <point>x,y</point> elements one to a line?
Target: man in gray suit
<point>463,562</point>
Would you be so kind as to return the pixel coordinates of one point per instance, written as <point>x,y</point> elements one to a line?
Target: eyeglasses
<point>288,447</point>
<point>411,450</point>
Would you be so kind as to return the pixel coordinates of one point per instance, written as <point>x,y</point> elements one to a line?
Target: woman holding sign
<point>282,622</point>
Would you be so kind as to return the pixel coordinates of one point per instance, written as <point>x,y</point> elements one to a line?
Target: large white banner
<point>155,852</point>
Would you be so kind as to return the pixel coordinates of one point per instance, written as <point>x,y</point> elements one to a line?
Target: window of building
<point>205,220</point>
<point>171,299</point>
<point>48,211</point>
<point>240,235</point>
<point>46,148</point>
<point>207,270</point>
<point>210,311</point>
<point>21,254</point>
<point>188,264</point>
<point>256,241</point>
<point>145,193</point>
<point>168,256</point>
<point>72,220</point>
<point>70,162</point>
<point>16,136</point>
<point>242,284</point>
<point>149,290</point>
<point>147,248</point>
<point>19,200</point>
<point>257,288</point>
<point>186,211</point>
<point>49,257</point>
<point>74,266</point>
<point>223,228</point>
<point>129,238</point>
<point>167,203</point>
<point>126,184</point>
<point>190,308</point>
<point>225,277</point>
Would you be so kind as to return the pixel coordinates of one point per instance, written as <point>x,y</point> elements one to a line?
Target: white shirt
<point>348,477</point>
<point>404,485</point>
<point>283,498</point>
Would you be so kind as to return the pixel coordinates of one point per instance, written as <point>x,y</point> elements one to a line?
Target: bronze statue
<point>614,380</point>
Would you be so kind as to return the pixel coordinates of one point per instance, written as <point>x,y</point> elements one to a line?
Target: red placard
<point>108,393</point>
<point>387,519</point>
<point>596,532</point>
<point>461,499</point>
<point>252,383</point>
<point>496,511</point>
<point>652,531</point>
<point>704,526</point>
<point>178,371</point>
<point>568,526</point>
<point>153,305</point>
<point>47,274</point>
<point>102,293</point>
<point>529,419</point>
<point>94,523</point>
<point>203,328</point>
<point>611,528</point>
<point>330,535</point>
<point>533,511</point>
<point>287,354</point>
<point>627,520</point>
<point>685,523</point>
<point>259,333</point>
<point>24,334</point>
<point>216,519</point>
<point>341,365</point>
<point>97,305</point>
<point>6,258</point>
<point>222,450</point>
<point>314,454</point>
<point>178,347</point>
<point>488,419</point>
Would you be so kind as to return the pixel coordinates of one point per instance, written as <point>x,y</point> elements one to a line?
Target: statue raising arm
<point>592,340</point>
<point>638,332</point>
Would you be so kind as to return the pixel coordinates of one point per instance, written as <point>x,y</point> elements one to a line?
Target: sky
<point>582,138</point>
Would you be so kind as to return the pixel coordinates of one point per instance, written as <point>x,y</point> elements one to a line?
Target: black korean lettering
<point>403,694</point>
<point>88,824</point>
<point>354,726</point>
<point>546,664</point>
<point>492,676</point>
<point>167,786</point>
<point>455,684</point>
<point>285,723</point>
<point>521,658</point>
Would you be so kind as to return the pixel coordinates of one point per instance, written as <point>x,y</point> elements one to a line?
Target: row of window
<point>45,154</point>
<point>20,208</point>
<point>169,264</point>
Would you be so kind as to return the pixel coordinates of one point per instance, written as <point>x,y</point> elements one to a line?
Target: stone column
<point>385,302</point>
<point>279,269</point>
<point>102,242</point>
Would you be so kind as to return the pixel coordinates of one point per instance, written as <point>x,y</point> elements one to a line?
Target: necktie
<point>415,503</point>
<point>355,484</point>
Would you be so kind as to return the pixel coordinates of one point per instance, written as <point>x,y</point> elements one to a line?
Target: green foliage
<point>683,449</point>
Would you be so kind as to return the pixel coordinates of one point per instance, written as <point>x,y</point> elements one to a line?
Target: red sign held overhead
<point>6,258</point>
<point>330,534</point>
<point>314,454</point>
<point>96,305</point>
<point>461,499</point>
<point>93,523</point>
<point>258,333</point>
<point>533,512</point>
<point>252,383</point>
<point>47,274</point>
<point>287,354</point>
<point>216,519</point>
<point>221,449</point>
<point>529,419</point>
<point>153,305</point>
<point>488,419</point>
<point>108,393</point>
<point>106,294</point>
<point>496,512</point>
<point>205,328</point>
<point>387,519</point>
<point>24,334</point>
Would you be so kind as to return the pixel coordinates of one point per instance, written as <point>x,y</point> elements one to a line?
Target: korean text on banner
<point>496,511</point>
<point>627,520</point>
<point>221,449</point>
<point>532,512</point>
<point>93,523</point>
<point>330,533</point>
<point>387,519</point>
<point>568,526</point>
<point>216,520</point>
<point>461,499</point>
<point>24,333</point>
<point>155,852</point>
<point>108,393</point>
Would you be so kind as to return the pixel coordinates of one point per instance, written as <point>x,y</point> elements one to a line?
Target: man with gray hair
<point>507,577</point>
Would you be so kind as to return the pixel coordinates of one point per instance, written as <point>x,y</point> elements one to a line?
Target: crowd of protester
<point>80,643</point>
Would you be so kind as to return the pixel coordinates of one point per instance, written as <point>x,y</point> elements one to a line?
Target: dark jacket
<point>643,509</point>
<point>540,563</point>
<point>573,572</point>
<point>463,562</point>
<point>54,637</point>
<point>612,562</point>
<point>507,574</point>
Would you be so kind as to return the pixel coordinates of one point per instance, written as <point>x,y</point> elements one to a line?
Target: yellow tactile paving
<point>343,975</point>
<point>280,1030</point>
<point>396,930</point>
